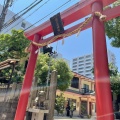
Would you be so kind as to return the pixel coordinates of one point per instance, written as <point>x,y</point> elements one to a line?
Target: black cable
<point>26,8</point>
<point>47,15</point>
<point>21,14</point>
<point>29,15</point>
<point>14,19</point>
<point>43,17</point>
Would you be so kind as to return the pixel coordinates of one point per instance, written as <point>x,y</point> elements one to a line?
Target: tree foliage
<point>113,29</point>
<point>115,83</point>
<point>59,104</point>
<point>114,78</point>
<point>46,64</point>
<point>13,46</point>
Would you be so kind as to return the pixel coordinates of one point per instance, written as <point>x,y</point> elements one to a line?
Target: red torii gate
<point>102,82</point>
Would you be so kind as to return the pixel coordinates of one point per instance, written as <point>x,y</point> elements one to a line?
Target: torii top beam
<point>79,10</point>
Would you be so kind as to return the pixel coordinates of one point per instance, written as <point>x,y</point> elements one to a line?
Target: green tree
<point>13,46</point>
<point>46,64</point>
<point>59,103</point>
<point>113,29</point>
<point>114,78</point>
<point>115,83</point>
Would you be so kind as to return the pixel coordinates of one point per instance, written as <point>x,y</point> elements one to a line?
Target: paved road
<point>74,118</point>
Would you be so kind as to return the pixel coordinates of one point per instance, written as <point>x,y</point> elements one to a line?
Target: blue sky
<point>73,46</point>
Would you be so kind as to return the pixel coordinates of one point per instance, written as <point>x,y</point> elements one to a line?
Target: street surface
<point>74,118</point>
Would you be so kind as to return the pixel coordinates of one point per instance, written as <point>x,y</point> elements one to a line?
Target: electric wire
<point>47,15</point>
<point>14,19</point>
<point>29,15</point>
<point>41,18</point>
<point>26,8</point>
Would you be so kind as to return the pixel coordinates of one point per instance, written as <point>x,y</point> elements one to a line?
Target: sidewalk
<point>74,118</point>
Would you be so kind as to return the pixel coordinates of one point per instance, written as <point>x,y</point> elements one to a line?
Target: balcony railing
<point>83,91</point>
<point>86,91</point>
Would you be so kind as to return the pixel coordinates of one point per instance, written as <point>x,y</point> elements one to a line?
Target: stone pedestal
<point>37,114</point>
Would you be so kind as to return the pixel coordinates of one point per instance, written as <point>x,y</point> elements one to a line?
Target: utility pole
<point>4,12</point>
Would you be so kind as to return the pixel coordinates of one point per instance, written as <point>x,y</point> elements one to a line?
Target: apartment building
<point>84,64</point>
<point>19,24</point>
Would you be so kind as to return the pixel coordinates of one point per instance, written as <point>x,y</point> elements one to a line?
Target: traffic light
<point>47,49</point>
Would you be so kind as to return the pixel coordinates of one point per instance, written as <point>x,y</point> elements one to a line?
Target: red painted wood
<point>25,91</point>
<point>70,15</point>
<point>78,10</point>
<point>104,103</point>
<point>110,13</point>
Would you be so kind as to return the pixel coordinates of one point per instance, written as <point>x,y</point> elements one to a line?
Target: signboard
<point>57,24</point>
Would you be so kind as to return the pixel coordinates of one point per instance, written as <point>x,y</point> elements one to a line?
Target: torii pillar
<point>102,80</point>
<point>27,83</point>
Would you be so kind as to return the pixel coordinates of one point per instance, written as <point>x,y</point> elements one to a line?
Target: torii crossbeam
<point>102,81</point>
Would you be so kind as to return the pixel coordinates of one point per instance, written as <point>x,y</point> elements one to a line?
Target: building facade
<point>84,64</point>
<point>19,24</point>
<point>82,93</point>
<point>59,56</point>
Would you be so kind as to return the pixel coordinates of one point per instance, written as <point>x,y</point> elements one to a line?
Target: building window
<point>74,66</point>
<point>81,57</point>
<point>88,74</point>
<point>86,87</point>
<point>23,25</point>
<point>81,61</point>
<point>88,59</point>
<point>88,71</point>
<point>81,68</point>
<point>74,69</point>
<point>88,56</point>
<point>74,63</point>
<point>75,59</point>
<point>75,82</point>
<point>88,63</point>
<point>88,67</point>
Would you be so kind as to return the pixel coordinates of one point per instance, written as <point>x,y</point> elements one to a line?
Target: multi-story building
<point>111,57</point>
<point>19,24</point>
<point>84,64</point>
<point>59,56</point>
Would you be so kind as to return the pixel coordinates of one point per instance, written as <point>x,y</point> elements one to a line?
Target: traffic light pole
<point>27,83</point>
<point>102,80</point>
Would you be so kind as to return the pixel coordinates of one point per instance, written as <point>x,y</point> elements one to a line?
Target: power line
<point>29,15</point>
<point>14,18</point>
<point>43,17</point>
<point>47,15</point>
<point>26,8</point>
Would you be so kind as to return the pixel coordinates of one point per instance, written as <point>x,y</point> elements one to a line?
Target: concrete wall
<point>9,101</point>
<point>8,109</point>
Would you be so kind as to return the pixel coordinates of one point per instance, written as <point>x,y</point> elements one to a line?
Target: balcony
<point>83,91</point>
<point>86,91</point>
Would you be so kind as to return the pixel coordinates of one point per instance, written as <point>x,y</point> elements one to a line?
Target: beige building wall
<point>90,99</point>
